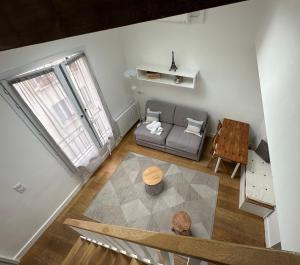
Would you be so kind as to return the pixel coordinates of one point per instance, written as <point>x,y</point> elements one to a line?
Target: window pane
<point>48,101</point>
<point>62,111</point>
<point>86,89</point>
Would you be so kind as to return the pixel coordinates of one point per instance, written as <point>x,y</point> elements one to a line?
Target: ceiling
<point>30,22</point>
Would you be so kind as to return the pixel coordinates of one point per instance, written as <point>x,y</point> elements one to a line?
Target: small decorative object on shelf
<point>178,79</point>
<point>173,65</point>
<point>152,75</point>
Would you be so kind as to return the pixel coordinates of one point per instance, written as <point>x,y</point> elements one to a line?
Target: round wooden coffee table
<point>181,224</point>
<point>153,179</point>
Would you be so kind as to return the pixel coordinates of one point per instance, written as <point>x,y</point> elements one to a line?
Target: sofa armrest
<point>204,134</point>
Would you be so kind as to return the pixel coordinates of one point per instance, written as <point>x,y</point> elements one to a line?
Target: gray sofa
<point>173,138</point>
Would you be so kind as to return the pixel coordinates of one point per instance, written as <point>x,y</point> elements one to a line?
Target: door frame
<point>80,103</point>
<point>63,67</point>
<point>76,103</point>
<point>19,106</point>
<point>114,127</point>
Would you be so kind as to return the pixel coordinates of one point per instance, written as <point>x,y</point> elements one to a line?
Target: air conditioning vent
<point>185,18</point>
<point>197,17</point>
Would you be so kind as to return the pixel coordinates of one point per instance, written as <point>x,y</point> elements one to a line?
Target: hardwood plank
<point>122,260</point>
<point>55,243</point>
<point>110,258</point>
<point>136,262</point>
<point>99,256</point>
<point>73,251</point>
<point>85,258</point>
<point>79,254</point>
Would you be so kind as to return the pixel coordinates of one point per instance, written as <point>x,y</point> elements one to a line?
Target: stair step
<point>136,262</point>
<point>81,251</point>
<point>87,255</point>
<point>99,256</point>
<point>110,258</point>
<point>122,259</point>
<point>79,242</point>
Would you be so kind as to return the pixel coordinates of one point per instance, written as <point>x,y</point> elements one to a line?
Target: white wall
<point>22,156</point>
<point>104,52</point>
<point>222,49</point>
<point>278,53</point>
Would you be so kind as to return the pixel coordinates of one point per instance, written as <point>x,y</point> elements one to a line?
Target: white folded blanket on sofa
<point>155,127</point>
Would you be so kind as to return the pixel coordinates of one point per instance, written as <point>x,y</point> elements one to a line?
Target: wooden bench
<point>256,187</point>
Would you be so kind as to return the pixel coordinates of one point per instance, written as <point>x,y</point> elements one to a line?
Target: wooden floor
<point>230,224</point>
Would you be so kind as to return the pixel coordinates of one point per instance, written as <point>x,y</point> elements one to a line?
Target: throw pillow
<point>152,116</point>
<point>263,151</point>
<point>194,126</point>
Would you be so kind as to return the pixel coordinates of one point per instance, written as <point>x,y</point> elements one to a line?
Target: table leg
<point>235,170</point>
<point>218,164</point>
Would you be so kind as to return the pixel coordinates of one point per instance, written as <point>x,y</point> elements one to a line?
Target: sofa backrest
<point>167,109</point>
<point>181,113</point>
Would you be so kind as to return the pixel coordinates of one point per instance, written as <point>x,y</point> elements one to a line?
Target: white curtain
<point>85,86</point>
<point>45,96</point>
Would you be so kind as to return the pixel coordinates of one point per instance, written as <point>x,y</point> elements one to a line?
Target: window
<point>86,88</point>
<point>63,115</point>
<point>62,111</point>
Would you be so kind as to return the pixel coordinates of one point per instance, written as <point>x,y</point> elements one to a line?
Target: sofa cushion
<point>167,110</point>
<point>181,113</point>
<point>152,115</point>
<point>194,127</point>
<point>143,134</point>
<point>179,139</point>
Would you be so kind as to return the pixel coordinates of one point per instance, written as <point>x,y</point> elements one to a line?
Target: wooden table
<point>153,179</point>
<point>233,143</point>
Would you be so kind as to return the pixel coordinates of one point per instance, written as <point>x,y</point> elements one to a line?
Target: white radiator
<point>127,118</point>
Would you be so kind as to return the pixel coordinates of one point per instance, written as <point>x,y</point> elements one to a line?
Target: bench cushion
<point>143,134</point>
<point>259,181</point>
<point>187,142</point>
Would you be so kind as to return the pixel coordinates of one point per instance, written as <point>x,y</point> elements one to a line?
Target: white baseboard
<point>272,235</point>
<point>48,222</point>
<point>5,261</point>
<point>267,233</point>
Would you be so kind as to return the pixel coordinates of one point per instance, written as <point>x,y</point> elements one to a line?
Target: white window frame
<point>8,93</point>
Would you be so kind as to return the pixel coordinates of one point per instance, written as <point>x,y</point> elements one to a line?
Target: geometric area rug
<point>123,200</point>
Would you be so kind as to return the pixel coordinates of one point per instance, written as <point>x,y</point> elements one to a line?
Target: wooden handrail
<point>208,250</point>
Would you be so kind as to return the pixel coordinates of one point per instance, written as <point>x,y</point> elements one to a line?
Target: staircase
<point>86,252</point>
<point>106,244</point>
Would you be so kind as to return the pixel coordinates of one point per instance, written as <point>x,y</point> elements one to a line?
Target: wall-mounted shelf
<point>168,77</point>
